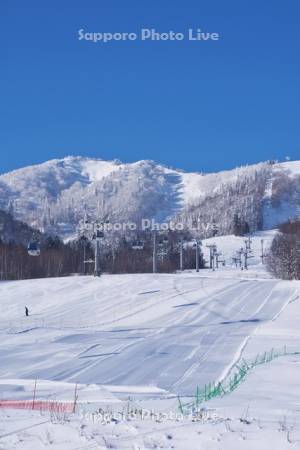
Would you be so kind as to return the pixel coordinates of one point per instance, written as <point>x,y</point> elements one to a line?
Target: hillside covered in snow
<point>132,343</point>
<point>55,195</point>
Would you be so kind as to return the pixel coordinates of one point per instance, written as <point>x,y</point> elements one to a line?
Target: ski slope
<point>136,342</point>
<point>150,338</point>
<point>169,331</point>
<point>228,245</point>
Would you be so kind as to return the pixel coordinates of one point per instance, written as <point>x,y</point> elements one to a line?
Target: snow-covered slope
<point>135,342</point>
<point>58,174</point>
<point>260,241</point>
<point>54,196</point>
<point>171,331</point>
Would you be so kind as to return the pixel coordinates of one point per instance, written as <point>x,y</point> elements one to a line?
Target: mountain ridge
<point>54,195</point>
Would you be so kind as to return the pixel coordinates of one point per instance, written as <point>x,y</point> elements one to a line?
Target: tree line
<point>284,257</point>
<point>58,259</point>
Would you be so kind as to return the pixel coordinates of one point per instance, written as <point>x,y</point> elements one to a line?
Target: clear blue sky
<point>198,106</point>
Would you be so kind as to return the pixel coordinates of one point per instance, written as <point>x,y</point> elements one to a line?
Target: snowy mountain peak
<point>55,195</point>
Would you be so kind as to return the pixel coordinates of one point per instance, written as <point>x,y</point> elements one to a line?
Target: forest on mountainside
<point>284,257</point>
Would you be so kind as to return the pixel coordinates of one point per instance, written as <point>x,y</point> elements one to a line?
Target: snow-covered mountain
<point>55,195</point>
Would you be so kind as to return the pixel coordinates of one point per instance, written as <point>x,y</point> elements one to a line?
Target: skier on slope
<point>26,311</point>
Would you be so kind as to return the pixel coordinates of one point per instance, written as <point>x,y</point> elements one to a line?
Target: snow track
<point>170,331</point>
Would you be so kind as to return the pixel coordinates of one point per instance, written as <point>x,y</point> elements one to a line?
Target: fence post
<point>34,394</point>
<point>180,405</point>
<point>75,398</point>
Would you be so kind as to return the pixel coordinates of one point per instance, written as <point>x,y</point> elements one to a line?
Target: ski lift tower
<point>262,251</point>
<point>197,246</point>
<point>181,254</point>
<point>160,240</point>
<point>247,255</point>
<point>218,260</point>
<point>98,235</point>
<point>212,253</point>
<point>237,259</point>
<point>154,252</point>
<point>248,243</point>
<point>197,255</point>
<point>94,231</point>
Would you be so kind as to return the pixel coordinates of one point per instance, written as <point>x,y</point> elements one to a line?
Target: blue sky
<point>198,106</point>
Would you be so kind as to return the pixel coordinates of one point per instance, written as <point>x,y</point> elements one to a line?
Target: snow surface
<point>195,184</point>
<point>150,338</point>
<point>293,167</point>
<point>228,245</point>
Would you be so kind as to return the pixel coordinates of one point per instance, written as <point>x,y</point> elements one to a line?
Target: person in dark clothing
<point>26,311</point>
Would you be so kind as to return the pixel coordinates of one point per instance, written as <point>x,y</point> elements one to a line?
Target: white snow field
<point>136,342</point>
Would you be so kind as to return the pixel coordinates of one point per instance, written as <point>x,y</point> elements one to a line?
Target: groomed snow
<point>136,342</point>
